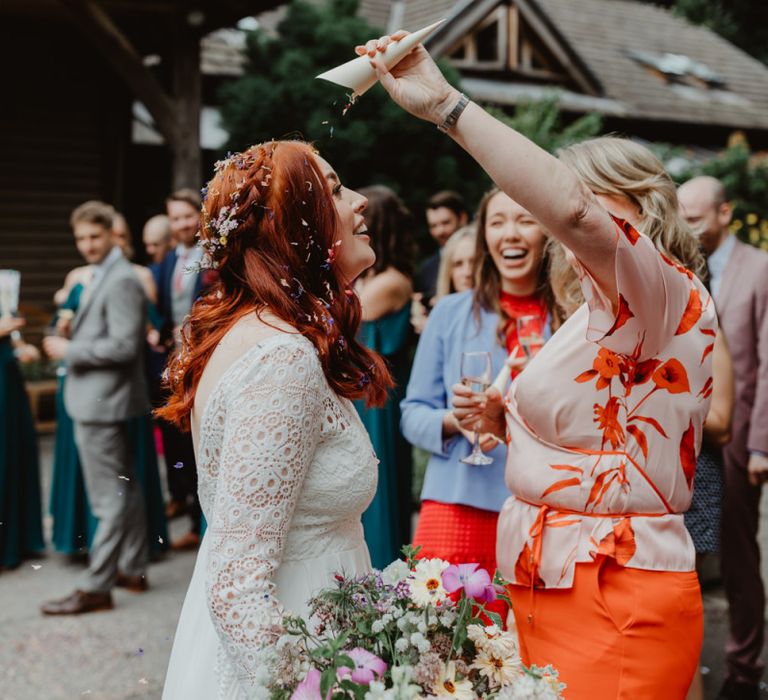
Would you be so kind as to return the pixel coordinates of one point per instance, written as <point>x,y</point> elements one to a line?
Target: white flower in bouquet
<point>499,669</point>
<point>426,582</point>
<point>394,573</point>
<point>448,686</point>
<point>539,684</point>
<point>492,640</point>
<point>402,688</point>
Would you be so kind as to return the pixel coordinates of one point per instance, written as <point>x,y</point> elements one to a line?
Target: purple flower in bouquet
<point>475,581</point>
<point>309,688</point>
<point>368,667</point>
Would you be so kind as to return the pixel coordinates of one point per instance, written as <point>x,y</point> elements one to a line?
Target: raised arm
<point>528,174</point>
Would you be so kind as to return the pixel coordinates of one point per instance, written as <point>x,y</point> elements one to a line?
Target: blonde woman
<point>457,262</point>
<point>604,424</point>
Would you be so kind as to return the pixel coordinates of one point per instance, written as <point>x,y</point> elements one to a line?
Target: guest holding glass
<point>460,501</point>
<point>385,293</point>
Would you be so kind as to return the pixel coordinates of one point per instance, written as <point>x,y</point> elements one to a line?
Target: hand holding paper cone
<point>357,74</point>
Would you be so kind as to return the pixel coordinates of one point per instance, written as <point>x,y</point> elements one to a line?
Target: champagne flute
<point>530,334</point>
<point>476,374</point>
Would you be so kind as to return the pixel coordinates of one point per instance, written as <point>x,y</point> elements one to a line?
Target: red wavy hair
<point>278,256</point>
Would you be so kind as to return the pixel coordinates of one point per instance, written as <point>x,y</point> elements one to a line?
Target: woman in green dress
<point>385,295</point>
<point>21,527</point>
<point>73,522</point>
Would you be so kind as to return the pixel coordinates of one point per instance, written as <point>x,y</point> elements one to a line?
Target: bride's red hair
<point>269,223</point>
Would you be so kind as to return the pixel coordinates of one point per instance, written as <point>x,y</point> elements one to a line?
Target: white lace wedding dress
<point>285,468</point>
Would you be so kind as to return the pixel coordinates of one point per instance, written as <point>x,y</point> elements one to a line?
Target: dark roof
<point>605,32</point>
<point>620,44</point>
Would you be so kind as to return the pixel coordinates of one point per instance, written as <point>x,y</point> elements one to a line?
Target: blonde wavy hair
<point>616,166</point>
<point>444,279</point>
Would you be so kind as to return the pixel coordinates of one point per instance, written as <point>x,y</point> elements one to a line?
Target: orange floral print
<point>606,366</point>
<point>622,315</point>
<point>672,377</point>
<point>692,313</point>
<point>620,542</point>
<point>688,454</point>
<point>607,419</point>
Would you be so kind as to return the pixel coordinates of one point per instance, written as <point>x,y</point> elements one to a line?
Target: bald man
<point>738,280</point>
<point>157,238</point>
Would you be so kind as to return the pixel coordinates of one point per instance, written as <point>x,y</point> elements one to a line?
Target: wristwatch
<point>453,117</point>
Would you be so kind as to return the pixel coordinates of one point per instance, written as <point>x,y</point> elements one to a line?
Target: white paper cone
<point>357,74</point>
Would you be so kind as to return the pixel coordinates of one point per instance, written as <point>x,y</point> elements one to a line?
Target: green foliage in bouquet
<point>420,628</point>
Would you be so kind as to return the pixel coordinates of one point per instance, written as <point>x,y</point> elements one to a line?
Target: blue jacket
<point>452,329</point>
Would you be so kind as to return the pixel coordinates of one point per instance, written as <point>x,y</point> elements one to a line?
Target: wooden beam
<point>187,88</point>
<point>514,36</point>
<point>115,47</point>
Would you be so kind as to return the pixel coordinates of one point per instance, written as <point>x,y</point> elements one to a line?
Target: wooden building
<point>651,73</point>
<point>73,71</point>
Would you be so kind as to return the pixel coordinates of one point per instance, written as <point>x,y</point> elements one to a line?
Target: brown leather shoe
<point>134,584</point>
<point>175,509</point>
<point>77,603</point>
<point>186,542</point>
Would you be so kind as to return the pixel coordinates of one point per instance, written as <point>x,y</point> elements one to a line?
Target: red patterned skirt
<point>457,533</point>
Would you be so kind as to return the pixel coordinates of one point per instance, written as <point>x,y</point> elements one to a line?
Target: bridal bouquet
<point>417,629</point>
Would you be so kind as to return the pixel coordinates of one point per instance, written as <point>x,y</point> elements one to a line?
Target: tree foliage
<point>374,143</point>
<point>542,123</point>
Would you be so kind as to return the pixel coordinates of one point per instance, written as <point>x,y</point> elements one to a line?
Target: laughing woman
<point>461,502</point>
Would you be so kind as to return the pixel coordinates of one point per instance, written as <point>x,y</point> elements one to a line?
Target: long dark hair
<point>269,222</point>
<point>392,229</point>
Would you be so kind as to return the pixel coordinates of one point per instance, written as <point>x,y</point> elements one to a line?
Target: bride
<point>264,382</point>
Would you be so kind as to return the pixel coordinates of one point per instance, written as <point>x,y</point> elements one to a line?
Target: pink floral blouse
<point>605,424</point>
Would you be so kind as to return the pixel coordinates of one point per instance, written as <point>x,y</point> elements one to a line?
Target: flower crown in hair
<point>218,230</point>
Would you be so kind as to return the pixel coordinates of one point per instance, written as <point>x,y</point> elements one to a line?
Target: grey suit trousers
<point>116,500</point>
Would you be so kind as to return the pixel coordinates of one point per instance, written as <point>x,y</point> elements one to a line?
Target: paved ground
<point>122,655</point>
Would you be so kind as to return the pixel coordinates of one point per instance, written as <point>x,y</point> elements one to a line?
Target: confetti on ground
<point>37,567</point>
<point>124,478</point>
<point>178,465</point>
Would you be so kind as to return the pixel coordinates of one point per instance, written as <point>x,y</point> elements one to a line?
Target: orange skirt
<point>618,633</point>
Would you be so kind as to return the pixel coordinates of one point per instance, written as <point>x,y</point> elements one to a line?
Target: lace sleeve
<point>270,435</point>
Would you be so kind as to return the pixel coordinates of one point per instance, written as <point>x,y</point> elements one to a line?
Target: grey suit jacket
<point>742,306</point>
<point>106,380</point>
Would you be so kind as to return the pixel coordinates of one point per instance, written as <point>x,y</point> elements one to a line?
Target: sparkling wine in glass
<point>476,374</point>
<point>530,334</point>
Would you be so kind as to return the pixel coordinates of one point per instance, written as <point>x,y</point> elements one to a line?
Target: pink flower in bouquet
<point>309,688</point>
<point>476,582</point>
<point>368,667</point>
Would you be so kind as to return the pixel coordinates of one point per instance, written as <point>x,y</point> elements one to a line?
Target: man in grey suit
<point>739,285</point>
<point>105,386</point>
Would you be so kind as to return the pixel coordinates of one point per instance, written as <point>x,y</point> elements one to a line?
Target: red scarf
<point>515,307</point>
